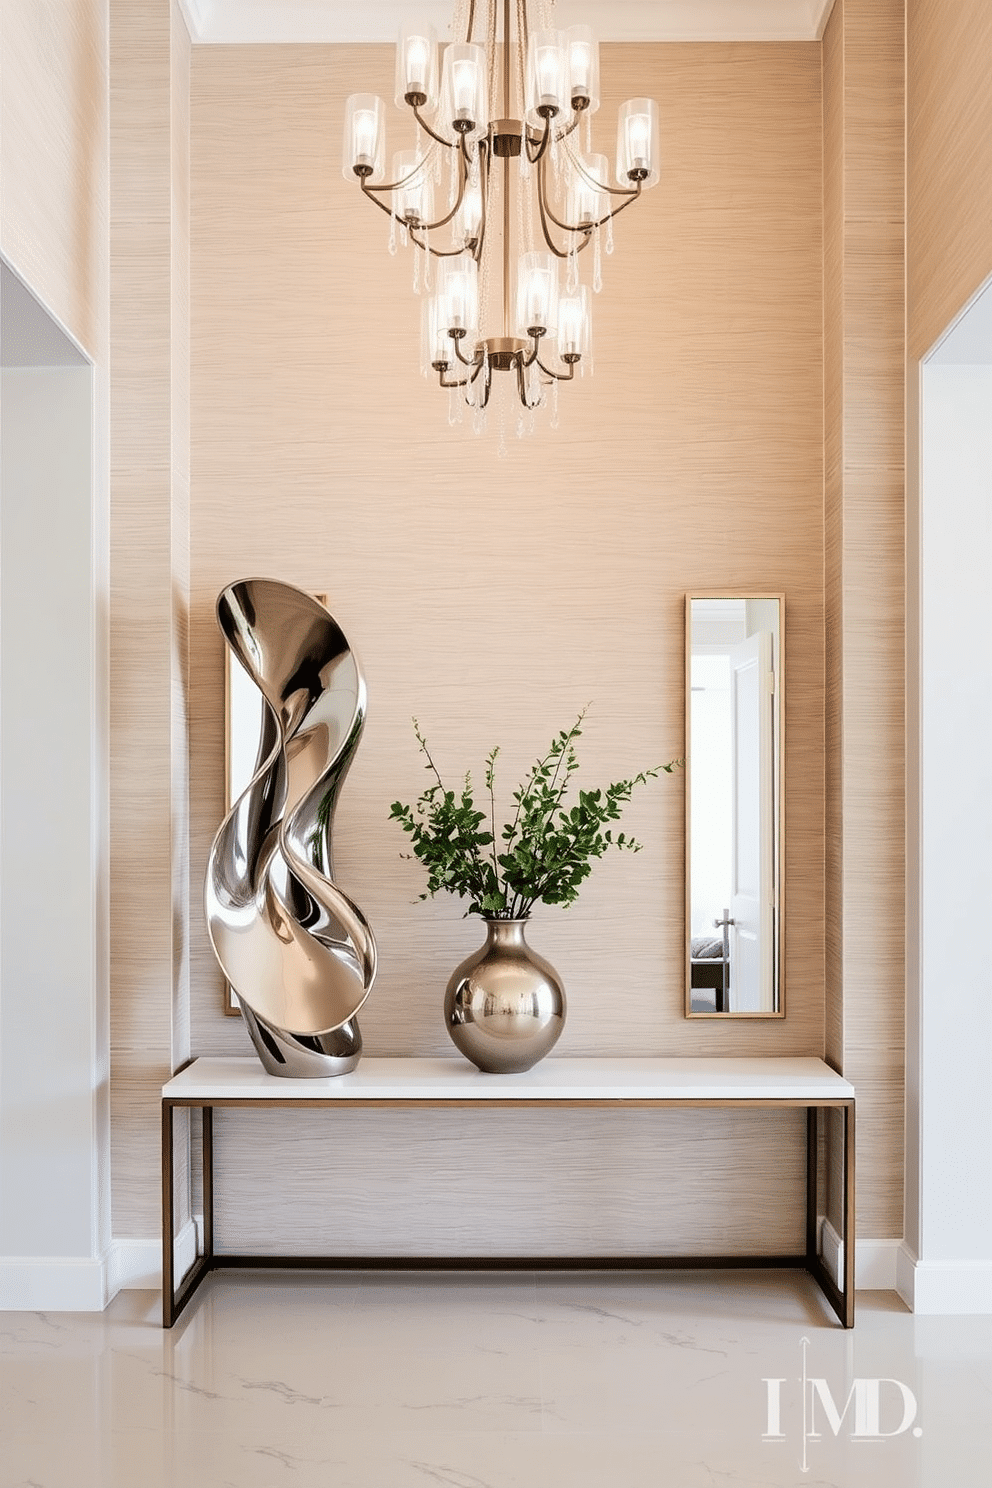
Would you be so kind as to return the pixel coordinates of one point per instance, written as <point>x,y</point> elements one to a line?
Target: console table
<point>212,1083</point>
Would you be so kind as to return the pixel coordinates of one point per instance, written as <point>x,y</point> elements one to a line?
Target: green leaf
<point>548,847</point>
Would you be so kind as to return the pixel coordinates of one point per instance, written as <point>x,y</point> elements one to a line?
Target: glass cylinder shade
<point>458,296</point>
<point>364,144</point>
<point>587,203</point>
<point>468,221</point>
<point>537,294</point>
<point>463,108</point>
<point>416,66</point>
<point>435,343</point>
<point>637,143</point>
<point>574,325</point>
<point>547,90</point>
<point>583,68</point>
<point>414,196</point>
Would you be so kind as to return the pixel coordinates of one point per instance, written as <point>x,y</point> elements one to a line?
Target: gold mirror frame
<point>776,908</point>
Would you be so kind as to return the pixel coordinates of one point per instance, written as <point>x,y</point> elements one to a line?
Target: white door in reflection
<point>752,701</point>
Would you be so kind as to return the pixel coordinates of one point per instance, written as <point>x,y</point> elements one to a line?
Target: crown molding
<point>228,21</point>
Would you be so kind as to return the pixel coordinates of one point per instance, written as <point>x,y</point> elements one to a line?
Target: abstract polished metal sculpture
<point>299,954</point>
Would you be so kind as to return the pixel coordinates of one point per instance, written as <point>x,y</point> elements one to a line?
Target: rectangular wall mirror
<point>735,830</point>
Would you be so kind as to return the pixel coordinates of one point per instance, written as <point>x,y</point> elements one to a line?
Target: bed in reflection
<point>709,972</point>
<point>734,827</point>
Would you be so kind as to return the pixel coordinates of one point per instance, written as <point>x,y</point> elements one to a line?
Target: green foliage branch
<point>541,855</point>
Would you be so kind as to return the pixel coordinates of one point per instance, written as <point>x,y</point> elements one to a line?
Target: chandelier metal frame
<point>554,96</point>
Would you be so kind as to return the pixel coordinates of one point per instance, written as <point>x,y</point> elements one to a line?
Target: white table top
<point>431,1080</point>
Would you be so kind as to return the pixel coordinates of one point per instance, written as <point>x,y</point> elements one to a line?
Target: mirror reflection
<point>734,836</point>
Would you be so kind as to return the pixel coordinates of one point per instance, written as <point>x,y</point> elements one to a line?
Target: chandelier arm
<point>448,144</point>
<point>587,228</point>
<point>471,20</point>
<point>462,183</point>
<point>369,190</point>
<point>404,180</point>
<point>476,360</point>
<point>558,376</point>
<point>544,210</point>
<point>569,129</point>
<point>630,192</point>
<point>437,252</point>
<point>485,170</point>
<point>542,147</point>
<point>522,389</point>
<point>441,382</point>
<point>631,198</point>
<point>424,227</point>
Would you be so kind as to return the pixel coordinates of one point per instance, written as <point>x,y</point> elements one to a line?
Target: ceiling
<point>613,20</point>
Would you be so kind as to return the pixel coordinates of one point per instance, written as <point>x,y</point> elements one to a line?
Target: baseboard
<point>87,1284</point>
<point>53,1284</point>
<point>944,1288</point>
<point>875,1261</point>
<point>136,1264</point>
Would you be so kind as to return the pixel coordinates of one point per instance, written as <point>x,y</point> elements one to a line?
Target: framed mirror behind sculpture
<point>735,817</point>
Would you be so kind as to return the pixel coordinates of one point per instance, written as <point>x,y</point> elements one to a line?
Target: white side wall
<point>54,1214</point>
<point>948,1265</point>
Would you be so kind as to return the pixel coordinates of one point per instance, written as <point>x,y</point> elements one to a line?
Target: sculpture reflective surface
<point>298,953</point>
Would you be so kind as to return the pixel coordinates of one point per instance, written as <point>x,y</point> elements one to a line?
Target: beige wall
<point>53,157</point>
<point>949,163</point>
<point>149,906</point>
<point>864,516</point>
<point>494,596</point>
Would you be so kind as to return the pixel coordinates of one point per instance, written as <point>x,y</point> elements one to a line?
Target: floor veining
<point>496,1380</point>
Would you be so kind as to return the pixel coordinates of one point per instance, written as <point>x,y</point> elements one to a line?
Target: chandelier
<point>499,154</point>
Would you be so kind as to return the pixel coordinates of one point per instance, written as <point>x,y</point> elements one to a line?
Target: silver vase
<point>505,1006</point>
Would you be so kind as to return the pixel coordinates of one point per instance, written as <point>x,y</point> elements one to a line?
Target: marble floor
<point>586,1380</point>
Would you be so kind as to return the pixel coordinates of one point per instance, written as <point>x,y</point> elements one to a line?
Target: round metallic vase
<point>505,1006</point>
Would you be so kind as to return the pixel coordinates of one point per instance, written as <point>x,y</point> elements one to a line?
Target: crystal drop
<point>597,261</point>
<point>572,280</point>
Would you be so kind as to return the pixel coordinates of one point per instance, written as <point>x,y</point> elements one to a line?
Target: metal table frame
<point>175,1298</point>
